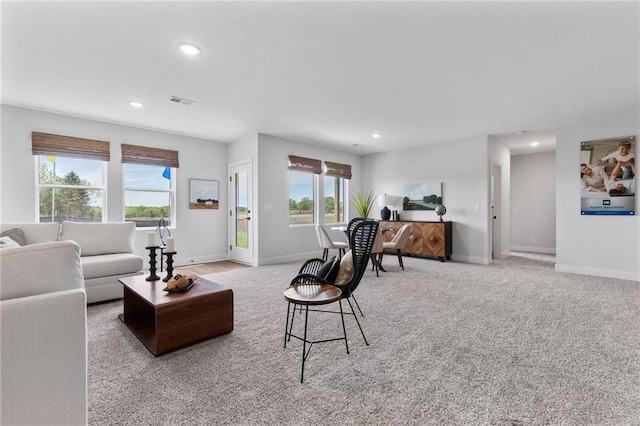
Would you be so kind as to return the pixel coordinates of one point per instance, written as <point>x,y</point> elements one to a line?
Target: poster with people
<point>608,176</point>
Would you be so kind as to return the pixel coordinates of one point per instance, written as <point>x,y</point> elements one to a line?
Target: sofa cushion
<point>36,233</point>
<point>100,238</point>
<point>39,269</point>
<point>110,264</point>
<point>16,235</point>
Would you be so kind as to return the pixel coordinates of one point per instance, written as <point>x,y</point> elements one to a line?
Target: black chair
<point>307,289</point>
<point>351,225</point>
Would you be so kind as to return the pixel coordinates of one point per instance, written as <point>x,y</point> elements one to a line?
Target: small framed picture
<point>203,194</point>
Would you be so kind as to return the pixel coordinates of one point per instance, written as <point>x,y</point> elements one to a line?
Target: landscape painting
<point>422,196</point>
<point>203,194</point>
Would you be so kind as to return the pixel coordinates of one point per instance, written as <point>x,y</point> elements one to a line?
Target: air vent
<point>179,100</point>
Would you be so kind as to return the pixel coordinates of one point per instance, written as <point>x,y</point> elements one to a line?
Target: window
<point>71,175</point>
<point>148,187</point>
<point>147,194</point>
<point>302,172</point>
<point>301,197</point>
<point>70,189</point>
<point>334,191</point>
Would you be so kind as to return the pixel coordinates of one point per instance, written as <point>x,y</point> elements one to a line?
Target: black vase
<point>385,213</point>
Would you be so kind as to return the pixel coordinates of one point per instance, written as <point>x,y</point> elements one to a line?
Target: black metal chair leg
<point>293,316</point>
<point>358,322</point>
<point>286,326</point>
<point>357,305</point>
<point>304,343</point>
<point>344,329</point>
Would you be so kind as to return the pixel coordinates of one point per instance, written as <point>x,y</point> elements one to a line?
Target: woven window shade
<point>67,146</point>
<point>145,155</point>
<point>337,169</point>
<point>305,164</point>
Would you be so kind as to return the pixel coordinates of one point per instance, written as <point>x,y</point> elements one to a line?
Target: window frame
<point>344,200</point>
<point>40,186</point>
<point>314,200</point>
<point>171,191</point>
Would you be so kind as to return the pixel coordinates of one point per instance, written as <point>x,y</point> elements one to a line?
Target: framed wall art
<point>607,176</point>
<point>422,196</point>
<point>203,194</point>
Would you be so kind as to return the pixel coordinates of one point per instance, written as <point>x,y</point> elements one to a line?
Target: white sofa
<point>43,335</point>
<point>106,251</point>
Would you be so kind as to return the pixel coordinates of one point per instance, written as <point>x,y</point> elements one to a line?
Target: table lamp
<point>384,200</point>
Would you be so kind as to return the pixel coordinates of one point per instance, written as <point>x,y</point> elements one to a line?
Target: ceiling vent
<point>179,100</point>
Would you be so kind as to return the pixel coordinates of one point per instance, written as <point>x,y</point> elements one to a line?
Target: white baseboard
<point>198,259</point>
<point>471,259</point>
<point>533,249</point>
<point>597,272</point>
<point>298,257</point>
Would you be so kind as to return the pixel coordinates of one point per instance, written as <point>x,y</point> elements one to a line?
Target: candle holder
<point>169,255</point>
<point>152,264</point>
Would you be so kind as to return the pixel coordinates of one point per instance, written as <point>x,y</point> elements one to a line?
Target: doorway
<point>241,238</point>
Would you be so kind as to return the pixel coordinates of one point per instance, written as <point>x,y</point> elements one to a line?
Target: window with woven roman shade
<point>335,191</point>
<point>302,189</point>
<point>148,184</point>
<point>71,173</point>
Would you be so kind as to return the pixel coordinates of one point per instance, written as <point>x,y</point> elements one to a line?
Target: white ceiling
<point>329,73</point>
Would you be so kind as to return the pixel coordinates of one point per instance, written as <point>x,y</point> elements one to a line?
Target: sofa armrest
<point>43,347</point>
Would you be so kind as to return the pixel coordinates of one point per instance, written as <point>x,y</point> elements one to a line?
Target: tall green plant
<point>363,202</point>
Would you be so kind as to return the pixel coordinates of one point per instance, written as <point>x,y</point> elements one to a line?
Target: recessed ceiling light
<point>535,143</point>
<point>189,49</point>
<point>136,104</point>
<point>376,135</point>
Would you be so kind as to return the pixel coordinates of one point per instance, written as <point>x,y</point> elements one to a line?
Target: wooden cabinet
<point>431,239</point>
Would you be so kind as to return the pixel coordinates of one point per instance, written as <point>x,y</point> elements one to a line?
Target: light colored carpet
<point>512,343</point>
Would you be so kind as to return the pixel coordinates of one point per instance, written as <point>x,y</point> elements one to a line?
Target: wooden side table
<point>165,322</point>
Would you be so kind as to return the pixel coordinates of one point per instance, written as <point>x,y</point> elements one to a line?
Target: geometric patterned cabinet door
<point>430,239</point>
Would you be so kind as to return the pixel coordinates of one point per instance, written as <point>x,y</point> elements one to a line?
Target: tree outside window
<point>301,197</point>
<point>334,199</point>
<point>70,189</point>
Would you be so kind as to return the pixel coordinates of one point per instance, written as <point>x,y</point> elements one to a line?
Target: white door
<point>241,225</point>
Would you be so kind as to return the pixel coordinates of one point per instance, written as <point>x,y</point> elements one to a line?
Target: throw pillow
<point>6,242</point>
<point>346,269</point>
<point>325,268</point>
<point>333,273</point>
<point>16,235</point>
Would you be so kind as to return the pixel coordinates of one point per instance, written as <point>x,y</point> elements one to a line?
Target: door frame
<point>240,254</point>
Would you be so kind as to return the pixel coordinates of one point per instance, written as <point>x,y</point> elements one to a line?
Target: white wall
<point>593,245</point>
<point>200,234</point>
<point>462,167</point>
<point>533,202</point>
<point>500,160</point>
<point>278,241</point>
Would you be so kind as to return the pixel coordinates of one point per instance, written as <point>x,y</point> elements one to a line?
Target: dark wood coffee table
<point>164,321</point>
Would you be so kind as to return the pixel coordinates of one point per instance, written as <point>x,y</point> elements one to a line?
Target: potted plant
<point>363,202</point>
